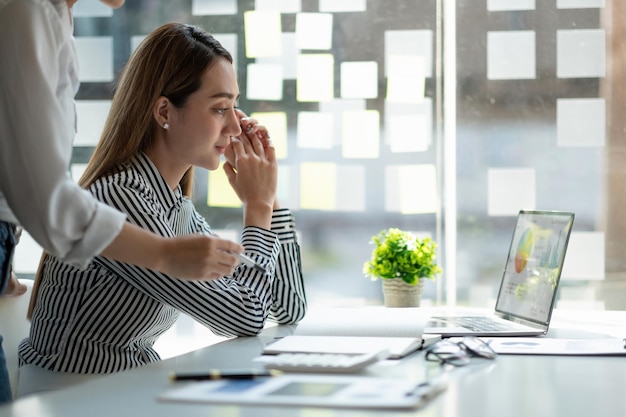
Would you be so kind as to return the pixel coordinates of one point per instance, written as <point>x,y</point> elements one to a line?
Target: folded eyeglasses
<point>459,353</point>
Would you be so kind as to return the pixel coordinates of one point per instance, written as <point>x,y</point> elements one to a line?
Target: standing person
<point>107,317</point>
<point>38,82</point>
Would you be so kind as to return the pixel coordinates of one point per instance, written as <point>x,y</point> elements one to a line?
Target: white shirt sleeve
<point>37,127</point>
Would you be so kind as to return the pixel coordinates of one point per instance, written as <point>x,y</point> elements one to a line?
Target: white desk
<point>509,386</point>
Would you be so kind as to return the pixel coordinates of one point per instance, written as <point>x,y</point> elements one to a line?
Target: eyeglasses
<point>459,353</point>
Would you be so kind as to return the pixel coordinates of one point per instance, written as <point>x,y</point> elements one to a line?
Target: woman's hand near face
<point>252,171</point>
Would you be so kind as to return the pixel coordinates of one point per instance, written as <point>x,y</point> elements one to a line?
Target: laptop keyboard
<point>479,323</point>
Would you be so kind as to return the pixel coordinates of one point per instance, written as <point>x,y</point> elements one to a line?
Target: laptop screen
<point>534,264</point>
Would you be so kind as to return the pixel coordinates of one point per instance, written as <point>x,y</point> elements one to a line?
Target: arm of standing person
<point>37,123</point>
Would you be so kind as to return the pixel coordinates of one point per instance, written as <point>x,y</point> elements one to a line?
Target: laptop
<point>529,283</point>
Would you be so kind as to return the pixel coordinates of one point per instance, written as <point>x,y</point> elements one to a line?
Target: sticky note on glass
<point>585,257</point>
<point>213,7</point>
<point>262,34</point>
<point>511,55</point>
<point>581,122</point>
<point>91,116</point>
<point>315,130</point>
<point>343,6</point>
<point>359,79</point>
<point>509,190</point>
<point>315,81</point>
<point>276,124</point>
<point>314,31</point>
<point>220,193</point>
<point>265,82</point>
<point>406,78</point>
<point>581,53</point>
<point>360,134</point>
<point>411,189</point>
<point>95,58</point>
<point>318,185</point>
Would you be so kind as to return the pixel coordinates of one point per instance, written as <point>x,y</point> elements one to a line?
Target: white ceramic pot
<point>398,293</point>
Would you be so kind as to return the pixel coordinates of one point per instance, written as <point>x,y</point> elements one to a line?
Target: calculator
<point>323,362</point>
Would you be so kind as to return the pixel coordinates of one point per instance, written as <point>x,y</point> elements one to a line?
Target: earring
<point>166,126</point>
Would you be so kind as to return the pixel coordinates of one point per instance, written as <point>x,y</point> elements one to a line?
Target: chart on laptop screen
<point>534,264</point>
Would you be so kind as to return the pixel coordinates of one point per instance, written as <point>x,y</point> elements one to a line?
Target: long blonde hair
<point>169,63</point>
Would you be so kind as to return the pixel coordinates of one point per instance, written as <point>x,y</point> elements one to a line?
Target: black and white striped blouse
<point>107,317</point>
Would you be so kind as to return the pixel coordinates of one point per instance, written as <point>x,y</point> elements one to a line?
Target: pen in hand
<point>249,262</point>
<point>215,374</point>
<point>246,260</point>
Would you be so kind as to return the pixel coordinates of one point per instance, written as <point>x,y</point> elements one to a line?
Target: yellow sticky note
<point>220,193</point>
<point>318,185</point>
<point>276,124</point>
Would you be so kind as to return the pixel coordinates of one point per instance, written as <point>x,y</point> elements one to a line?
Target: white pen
<point>249,262</point>
<point>246,260</point>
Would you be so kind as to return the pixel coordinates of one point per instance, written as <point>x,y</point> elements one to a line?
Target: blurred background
<point>440,117</point>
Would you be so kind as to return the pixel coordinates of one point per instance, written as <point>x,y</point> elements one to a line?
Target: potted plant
<point>402,261</point>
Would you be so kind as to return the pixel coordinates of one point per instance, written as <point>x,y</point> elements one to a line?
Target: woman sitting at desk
<point>174,108</point>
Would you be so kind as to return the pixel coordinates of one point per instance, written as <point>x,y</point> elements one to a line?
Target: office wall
<point>361,137</point>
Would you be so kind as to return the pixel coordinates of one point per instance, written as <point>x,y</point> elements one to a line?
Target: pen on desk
<point>215,374</point>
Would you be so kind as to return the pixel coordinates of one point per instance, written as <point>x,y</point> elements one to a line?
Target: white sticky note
<point>91,116</point>
<point>509,190</point>
<point>219,191</point>
<point>409,127</point>
<point>502,5</point>
<point>360,134</point>
<point>135,41</point>
<point>77,171</point>
<point>213,7</point>
<point>265,82</point>
<point>408,133</point>
<point>409,43</point>
<point>314,31</point>
<point>276,124</point>
<point>287,60</point>
<point>262,34</point>
<point>405,78</point>
<point>335,6</point>
<point>580,4</point>
<point>318,185</point>
<point>315,130</point>
<point>585,257</point>
<point>315,80</point>
<point>287,190</point>
<point>511,55</point>
<point>95,58</point>
<point>581,122</point>
<point>27,255</point>
<point>337,107</point>
<point>350,188</point>
<point>411,189</point>
<point>580,53</point>
<point>91,9</point>
<point>280,6</point>
<point>359,79</point>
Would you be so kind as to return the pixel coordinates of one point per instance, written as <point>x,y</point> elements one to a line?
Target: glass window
<point>443,118</point>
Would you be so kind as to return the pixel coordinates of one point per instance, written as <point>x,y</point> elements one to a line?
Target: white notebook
<point>357,330</point>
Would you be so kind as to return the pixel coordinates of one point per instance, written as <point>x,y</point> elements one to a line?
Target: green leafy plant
<point>400,254</point>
